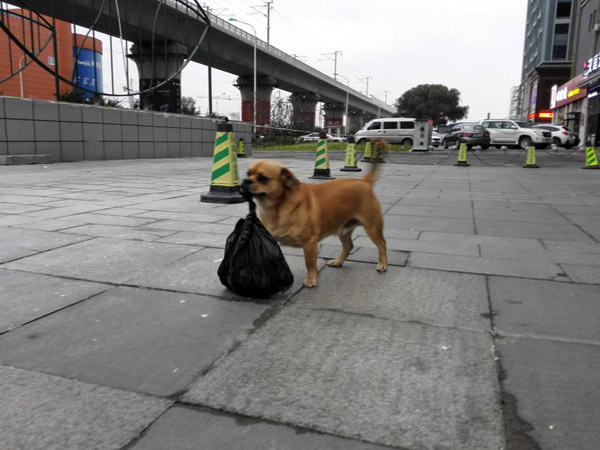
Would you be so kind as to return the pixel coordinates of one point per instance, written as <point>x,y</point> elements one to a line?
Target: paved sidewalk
<point>115,332</point>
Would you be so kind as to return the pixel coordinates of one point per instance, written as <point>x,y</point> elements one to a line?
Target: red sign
<point>333,122</point>
<point>567,93</point>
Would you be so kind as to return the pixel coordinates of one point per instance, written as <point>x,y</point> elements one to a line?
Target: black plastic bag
<point>253,265</point>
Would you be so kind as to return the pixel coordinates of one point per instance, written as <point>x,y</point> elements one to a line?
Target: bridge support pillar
<point>334,118</point>
<point>304,106</point>
<point>264,87</point>
<point>155,65</point>
<point>354,121</point>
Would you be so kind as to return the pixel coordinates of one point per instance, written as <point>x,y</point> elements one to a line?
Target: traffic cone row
<point>225,178</point>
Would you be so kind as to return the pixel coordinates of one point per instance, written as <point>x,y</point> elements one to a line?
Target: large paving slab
<point>21,303</point>
<point>197,274</point>
<point>422,296</point>
<point>552,386</point>
<point>140,340</point>
<point>379,380</point>
<point>108,260</point>
<point>183,428</point>
<point>546,309</point>
<point>44,412</point>
<point>35,239</point>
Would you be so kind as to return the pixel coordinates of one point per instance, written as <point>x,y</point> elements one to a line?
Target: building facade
<point>550,43</point>
<point>77,57</point>
<point>576,103</point>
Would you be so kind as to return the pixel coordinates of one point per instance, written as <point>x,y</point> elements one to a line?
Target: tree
<point>188,106</point>
<point>281,113</point>
<point>432,101</point>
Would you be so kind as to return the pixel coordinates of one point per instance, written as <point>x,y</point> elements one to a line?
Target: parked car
<point>393,130</point>
<point>436,139</point>
<point>561,136</point>
<point>510,132</point>
<point>445,129</point>
<point>314,137</point>
<point>471,135</point>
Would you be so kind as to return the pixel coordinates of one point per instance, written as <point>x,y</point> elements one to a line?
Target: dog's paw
<point>334,263</point>
<point>310,282</point>
<point>382,267</point>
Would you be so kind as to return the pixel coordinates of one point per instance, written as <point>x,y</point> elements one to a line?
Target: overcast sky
<point>475,46</point>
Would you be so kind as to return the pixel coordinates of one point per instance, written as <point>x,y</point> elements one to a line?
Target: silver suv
<point>511,132</point>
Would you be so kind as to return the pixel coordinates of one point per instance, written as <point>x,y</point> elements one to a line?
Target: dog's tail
<point>371,175</point>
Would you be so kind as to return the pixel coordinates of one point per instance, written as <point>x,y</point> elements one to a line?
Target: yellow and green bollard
<point>241,150</point>
<point>591,162</point>
<point>462,155</point>
<point>322,170</point>
<point>225,176</point>
<point>531,162</point>
<point>367,155</point>
<point>351,161</point>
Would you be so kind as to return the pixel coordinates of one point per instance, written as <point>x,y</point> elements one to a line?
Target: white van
<point>394,130</point>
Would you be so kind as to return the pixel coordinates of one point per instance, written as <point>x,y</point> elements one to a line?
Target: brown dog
<point>300,215</point>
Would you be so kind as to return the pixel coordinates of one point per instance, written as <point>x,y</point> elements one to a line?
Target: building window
<point>559,52</point>
<point>561,28</point>
<point>563,9</point>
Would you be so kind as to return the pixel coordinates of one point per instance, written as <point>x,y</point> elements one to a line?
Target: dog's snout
<point>246,181</point>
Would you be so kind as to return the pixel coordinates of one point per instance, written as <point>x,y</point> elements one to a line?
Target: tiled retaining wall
<point>73,132</point>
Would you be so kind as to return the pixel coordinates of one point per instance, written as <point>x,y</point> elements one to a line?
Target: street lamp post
<point>232,19</point>
<point>21,73</point>
<point>347,98</point>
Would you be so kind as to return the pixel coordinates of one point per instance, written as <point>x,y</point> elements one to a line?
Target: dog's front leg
<point>311,253</point>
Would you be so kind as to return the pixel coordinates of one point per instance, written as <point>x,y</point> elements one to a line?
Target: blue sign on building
<point>88,72</point>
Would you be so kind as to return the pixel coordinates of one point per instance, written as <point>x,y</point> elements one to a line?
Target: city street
<point>116,333</point>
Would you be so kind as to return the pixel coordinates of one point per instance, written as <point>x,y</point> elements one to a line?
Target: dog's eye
<point>262,179</point>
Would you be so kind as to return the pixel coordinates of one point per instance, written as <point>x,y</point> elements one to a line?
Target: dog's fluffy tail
<point>371,175</point>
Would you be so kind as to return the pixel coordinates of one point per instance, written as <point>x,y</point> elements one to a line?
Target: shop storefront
<point>568,103</point>
<point>590,80</point>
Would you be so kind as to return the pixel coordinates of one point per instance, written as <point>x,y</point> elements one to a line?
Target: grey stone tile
<point>332,372</point>
<point>412,245</point>
<point>186,217</point>
<point>182,428</point>
<point>119,232</point>
<point>26,296</point>
<point>197,274</point>
<point>69,112</point>
<point>555,386</point>
<point>100,259</point>
<point>108,219</point>
<point>44,412</point>
<point>420,223</point>
<point>72,151</point>
<point>36,240</point>
<point>487,266</point>
<point>14,208</point>
<point>71,132</point>
<point>371,255</point>
<point>45,111</point>
<point>539,230</point>
<point>18,108</point>
<point>140,340</point>
<point>521,216</point>
<point>403,294</point>
<point>47,131</point>
<point>548,256</point>
<point>431,211</point>
<point>11,252</point>
<point>49,225</point>
<point>19,130</point>
<point>582,274</point>
<point>92,114</point>
<point>196,239</point>
<point>65,211</point>
<point>21,148</point>
<point>546,309</point>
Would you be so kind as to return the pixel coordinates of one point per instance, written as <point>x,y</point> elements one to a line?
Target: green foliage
<point>432,101</point>
<point>188,106</point>
<point>77,97</point>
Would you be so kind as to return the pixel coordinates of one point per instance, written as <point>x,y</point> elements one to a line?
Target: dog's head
<point>269,180</point>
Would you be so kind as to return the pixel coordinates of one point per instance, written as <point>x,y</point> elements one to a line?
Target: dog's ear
<point>288,178</point>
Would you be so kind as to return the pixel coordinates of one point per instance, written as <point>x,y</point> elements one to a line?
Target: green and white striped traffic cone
<point>225,176</point>
<point>322,171</point>
<point>351,163</point>
<point>591,162</point>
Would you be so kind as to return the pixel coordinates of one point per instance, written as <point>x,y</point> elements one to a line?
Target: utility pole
<point>333,56</point>
<point>385,93</point>
<point>366,80</point>
<point>267,15</point>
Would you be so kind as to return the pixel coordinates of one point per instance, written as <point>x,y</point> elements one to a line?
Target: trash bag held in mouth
<point>253,265</point>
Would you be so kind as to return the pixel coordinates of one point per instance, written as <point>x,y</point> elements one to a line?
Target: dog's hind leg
<point>375,231</point>
<point>345,236</point>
